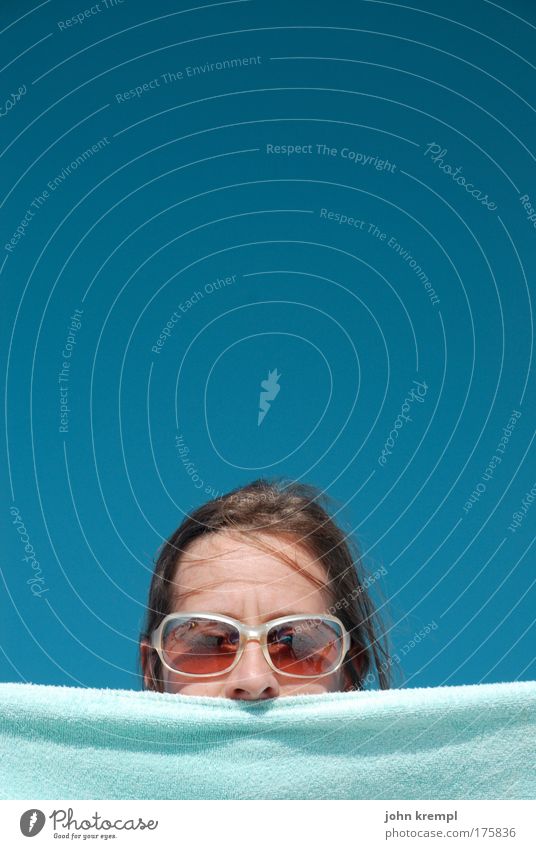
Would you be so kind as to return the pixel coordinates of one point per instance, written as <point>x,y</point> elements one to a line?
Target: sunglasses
<point>207,644</point>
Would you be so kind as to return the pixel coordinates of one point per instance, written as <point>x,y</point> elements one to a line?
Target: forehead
<point>232,563</point>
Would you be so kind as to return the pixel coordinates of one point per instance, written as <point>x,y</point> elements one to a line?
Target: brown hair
<point>292,509</point>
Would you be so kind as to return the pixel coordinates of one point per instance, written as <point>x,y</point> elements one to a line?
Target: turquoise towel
<point>469,742</point>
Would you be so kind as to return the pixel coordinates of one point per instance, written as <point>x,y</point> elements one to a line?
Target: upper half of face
<point>227,573</point>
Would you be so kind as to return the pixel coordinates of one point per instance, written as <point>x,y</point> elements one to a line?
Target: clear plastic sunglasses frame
<point>247,633</point>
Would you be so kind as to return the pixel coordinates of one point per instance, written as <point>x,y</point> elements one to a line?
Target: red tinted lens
<point>305,646</point>
<point>199,646</point>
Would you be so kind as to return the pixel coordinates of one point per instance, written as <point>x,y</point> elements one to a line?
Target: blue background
<point>182,193</point>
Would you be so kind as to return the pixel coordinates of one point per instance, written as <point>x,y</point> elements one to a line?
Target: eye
<point>283,636</point>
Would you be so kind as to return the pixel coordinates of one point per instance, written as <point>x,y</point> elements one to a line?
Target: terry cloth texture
<point>468,742</point>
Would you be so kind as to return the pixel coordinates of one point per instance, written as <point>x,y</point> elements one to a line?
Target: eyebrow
<point>277,615</point>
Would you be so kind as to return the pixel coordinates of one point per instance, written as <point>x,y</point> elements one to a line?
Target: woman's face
<point>222,573</point>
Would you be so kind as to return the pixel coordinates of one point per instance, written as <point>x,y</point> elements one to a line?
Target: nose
<point>252,678</point>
